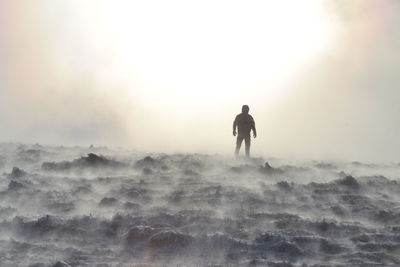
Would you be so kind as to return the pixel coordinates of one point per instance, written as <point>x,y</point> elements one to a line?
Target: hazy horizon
<point>320,77</point>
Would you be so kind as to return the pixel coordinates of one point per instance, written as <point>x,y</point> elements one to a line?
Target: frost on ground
<point>99,207</point>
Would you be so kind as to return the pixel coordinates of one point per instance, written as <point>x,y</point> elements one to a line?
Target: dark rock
<point>13,185</point>
<point>17,173</point>
<point>108,201</point>
<point>279,264</point>
<point>325,166</point>
<point>147,171</point>
<point>269,238</point>
<point>361,238</point>
<point>330,248</point>
<point>338,210</point>
<point>60,207</point>
<point>131,206</point>
<point>284,185</point>
<point>37,265</point>
<point>323,226</point>
<point>92,161</point>
<point>82,190</point>
<point>287,248</point>
<point>136,193</point>
<point>164,167</point>
<point>384,215</point>
<point>349,181</point>
<point>146,162</point>
<point>138,234</point>
<point>61,264</point>
<point>268,169</point>
<point>169,239</point>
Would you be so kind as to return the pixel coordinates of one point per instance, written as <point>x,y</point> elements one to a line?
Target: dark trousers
<point>239,141</point>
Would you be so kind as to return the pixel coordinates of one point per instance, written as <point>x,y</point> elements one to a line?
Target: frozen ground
<point>62,207</point>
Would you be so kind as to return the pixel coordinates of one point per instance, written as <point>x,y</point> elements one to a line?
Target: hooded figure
<point>244,123</point>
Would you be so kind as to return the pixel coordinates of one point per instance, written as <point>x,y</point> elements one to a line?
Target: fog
<point>116,144</point>
<point>74,206</point>
<point>67,76</point>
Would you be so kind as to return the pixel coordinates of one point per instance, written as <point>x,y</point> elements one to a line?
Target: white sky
<point>319,76</point>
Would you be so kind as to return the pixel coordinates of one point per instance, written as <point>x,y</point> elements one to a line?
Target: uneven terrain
<point>74,206</point>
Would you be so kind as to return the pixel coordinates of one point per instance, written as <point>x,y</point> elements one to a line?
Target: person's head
<point>245,109</point>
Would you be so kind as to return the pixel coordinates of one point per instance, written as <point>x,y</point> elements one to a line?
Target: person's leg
<point>238,144</point>
<point>247,145</point>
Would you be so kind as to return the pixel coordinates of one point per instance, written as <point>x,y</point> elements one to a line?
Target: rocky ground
<point>63,206</point>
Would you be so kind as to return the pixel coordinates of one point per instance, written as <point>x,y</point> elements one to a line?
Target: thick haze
<point>320,77</point>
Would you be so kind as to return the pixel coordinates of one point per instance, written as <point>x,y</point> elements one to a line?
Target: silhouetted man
<point>245,123</point>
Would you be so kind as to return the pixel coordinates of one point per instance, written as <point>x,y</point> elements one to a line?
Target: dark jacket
<point>245,124</point>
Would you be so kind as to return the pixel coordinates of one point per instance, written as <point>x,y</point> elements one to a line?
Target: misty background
<point>66,78</point>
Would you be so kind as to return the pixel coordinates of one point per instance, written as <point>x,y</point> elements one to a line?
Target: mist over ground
<point>76,206</point>
<point>116,145</point>
<point>91,73</point>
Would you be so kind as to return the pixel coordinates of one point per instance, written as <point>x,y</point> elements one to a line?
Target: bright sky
<point>197,49</point>
<point>171,75</point>
<point>194,53</point>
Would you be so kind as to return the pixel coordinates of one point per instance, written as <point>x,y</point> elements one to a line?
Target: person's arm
<point>235,125</point>
<point>253,127</point>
